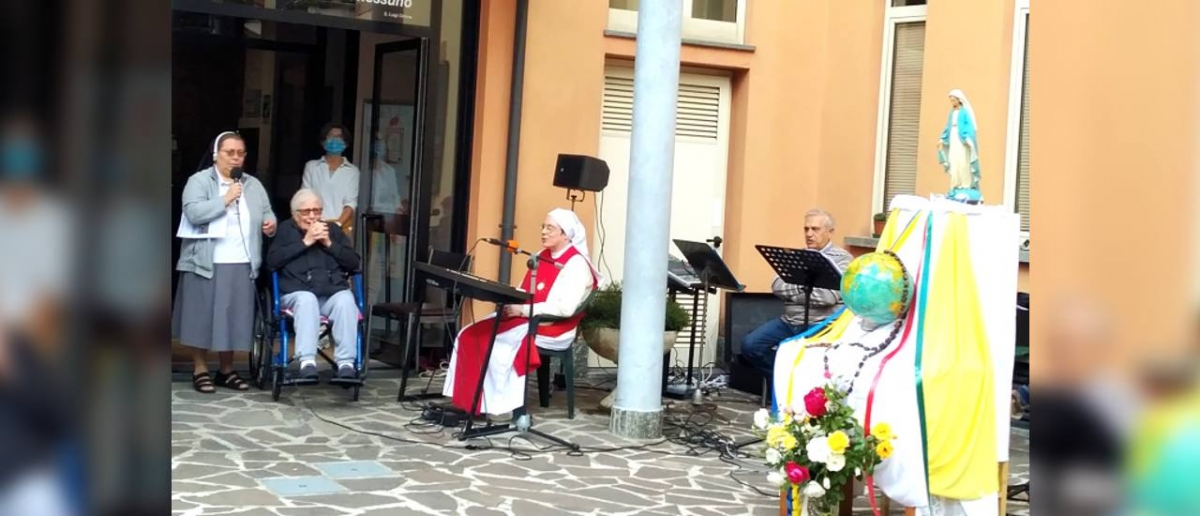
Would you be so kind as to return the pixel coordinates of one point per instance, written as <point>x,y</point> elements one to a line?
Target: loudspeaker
<point>744,313</point>
<point>579,172</point>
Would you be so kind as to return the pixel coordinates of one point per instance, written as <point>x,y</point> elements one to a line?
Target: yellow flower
<point>838,441</point>
<point>775,435</point>
<point>789,442</point>
<point>883,431</point>
<point>884,450</point>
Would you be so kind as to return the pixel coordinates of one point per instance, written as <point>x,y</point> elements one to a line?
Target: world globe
<point>876,288</point>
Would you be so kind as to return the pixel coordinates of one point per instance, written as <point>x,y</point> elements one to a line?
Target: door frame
<point>419,194</point>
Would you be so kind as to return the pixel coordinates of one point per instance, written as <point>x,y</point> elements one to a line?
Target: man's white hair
<point>821,213</point>
<point>302,195</point>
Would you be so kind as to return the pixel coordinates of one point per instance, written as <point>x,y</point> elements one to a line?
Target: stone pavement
<point>317,453</point>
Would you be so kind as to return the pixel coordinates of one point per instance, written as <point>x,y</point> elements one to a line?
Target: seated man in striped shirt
<point>758,347</point>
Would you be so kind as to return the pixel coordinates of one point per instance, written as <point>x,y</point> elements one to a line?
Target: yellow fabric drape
<point>958,376</point>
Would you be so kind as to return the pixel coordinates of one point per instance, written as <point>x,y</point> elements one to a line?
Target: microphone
<point>512,247</point>
<point>236,175</point>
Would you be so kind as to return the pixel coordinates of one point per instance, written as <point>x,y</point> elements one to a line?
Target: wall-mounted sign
<point>406,12</point>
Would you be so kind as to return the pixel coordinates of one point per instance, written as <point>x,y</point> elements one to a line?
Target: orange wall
<point>803,119</point>
<point>1115,111</point>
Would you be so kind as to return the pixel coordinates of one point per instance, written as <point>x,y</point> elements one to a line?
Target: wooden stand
<point>885,504</point>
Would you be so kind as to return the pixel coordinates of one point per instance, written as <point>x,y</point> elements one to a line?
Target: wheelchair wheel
<point>276,383</point>
<point>261,349</point>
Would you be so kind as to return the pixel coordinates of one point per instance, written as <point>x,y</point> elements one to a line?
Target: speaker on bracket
<point>578,172</point>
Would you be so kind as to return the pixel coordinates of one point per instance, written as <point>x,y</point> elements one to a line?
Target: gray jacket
<point>202,203</point>
<point>824,301</point>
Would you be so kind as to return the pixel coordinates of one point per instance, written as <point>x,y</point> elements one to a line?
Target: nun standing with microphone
<point>228,213</point>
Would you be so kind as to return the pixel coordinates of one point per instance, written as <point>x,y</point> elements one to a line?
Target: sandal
<point>231,380</point>
<point>203,383</point>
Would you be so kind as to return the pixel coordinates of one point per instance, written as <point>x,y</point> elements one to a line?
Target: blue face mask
<point>20,159</point>
<point>335,146</point>
<point>380,149</point>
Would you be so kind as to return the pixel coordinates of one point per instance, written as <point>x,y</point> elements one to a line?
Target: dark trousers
<point>758,347</point>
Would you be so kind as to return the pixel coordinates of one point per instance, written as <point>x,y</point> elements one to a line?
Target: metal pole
<point>637,410</point>
<point>507,224</point>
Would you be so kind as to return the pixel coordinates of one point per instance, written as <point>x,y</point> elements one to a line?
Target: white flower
<point>799,419</point>
<point>814,490</point>
<point>826,483</point>
<point>829,406</point>
<point>777,478</point>
<point>773,456</point>
<point>858,472</point>
<point>810,429</point>
<point>836,463</point>
<point>818,449</point>
<point>761,417</point>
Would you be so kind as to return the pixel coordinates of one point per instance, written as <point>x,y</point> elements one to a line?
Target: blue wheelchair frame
<point>278,325</point>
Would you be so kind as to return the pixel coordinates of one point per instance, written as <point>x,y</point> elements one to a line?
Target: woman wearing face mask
<point>385,200</point>
<point>214,302</point>
<point>334,178</point>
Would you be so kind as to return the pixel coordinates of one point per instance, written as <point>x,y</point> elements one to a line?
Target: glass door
<point>392,144</point>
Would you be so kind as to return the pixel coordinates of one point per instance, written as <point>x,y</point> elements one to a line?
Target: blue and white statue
<point>958,150</point>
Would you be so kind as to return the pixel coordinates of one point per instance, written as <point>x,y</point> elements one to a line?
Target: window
<point>1016,170</point>
<point>899,104</point>
<point>718,21</point>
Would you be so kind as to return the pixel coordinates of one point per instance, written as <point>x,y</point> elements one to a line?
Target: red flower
<point>814,402</point>
<point>796,473</point>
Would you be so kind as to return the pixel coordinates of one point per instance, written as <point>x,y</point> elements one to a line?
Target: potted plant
<point>601,326</point>
<point>880,222</point>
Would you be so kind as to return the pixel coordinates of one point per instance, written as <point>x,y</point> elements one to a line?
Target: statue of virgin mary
<point>958,149</point>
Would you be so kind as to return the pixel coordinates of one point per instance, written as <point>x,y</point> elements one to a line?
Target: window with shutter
<point>1022,203</point>
<point>697,112</point>
<point>903,121</point>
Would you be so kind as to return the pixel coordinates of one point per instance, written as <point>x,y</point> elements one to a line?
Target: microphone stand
<point>521,418</point>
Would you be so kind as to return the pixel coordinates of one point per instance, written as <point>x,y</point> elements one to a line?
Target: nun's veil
<point>209,158</point>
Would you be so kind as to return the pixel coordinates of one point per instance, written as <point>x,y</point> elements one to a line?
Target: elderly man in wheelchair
<point>314,261</point>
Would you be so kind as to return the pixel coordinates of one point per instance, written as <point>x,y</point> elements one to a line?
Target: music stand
<point>806,268</point>
<point>714,274</point>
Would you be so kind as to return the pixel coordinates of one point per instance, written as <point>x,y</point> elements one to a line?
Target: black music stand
<point>714,274</point>
<point>806,268</point>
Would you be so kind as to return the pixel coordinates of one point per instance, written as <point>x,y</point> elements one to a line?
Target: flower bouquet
<point>814,454</point>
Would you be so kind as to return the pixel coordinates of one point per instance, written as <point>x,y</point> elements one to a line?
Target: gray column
<point>637,409</point>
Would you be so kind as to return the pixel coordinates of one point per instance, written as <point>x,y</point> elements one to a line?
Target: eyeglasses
<point>309,211</point>
<point>233,152</point>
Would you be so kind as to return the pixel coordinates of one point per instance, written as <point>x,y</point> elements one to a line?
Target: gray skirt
<point>215,314</point>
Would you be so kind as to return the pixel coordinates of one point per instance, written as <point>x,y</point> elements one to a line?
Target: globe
<point>876,288</point>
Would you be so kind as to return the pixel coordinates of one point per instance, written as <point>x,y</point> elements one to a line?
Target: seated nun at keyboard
<point>558,295</point>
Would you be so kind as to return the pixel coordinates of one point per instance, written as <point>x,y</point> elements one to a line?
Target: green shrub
<point>605,311</point>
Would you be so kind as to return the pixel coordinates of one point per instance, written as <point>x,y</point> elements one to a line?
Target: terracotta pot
<point>606,341</point>
<point>879,225</point>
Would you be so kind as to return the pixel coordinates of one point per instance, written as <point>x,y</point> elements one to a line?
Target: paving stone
<point>353,500</point>
<point>310,511</point>
<point>196,471</point>
<point>237,498</point>
<point>293,469</point>
<point>232,479</point>
<point>481,511</point>
<point>440,502</point>
<point>367,485</point>
<point>653,472</point>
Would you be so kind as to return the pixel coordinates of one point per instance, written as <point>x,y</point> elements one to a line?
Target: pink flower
<point>796,473</point>
<point>814,402</point>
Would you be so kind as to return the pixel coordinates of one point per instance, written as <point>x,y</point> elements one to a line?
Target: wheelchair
<point>271,353</point>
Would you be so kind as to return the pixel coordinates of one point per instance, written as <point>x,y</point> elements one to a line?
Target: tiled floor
<point>317,453</point>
